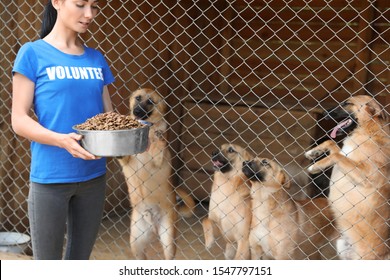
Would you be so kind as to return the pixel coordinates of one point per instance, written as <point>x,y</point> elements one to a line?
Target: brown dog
<point>360,187</point>
<point>230,206</point>
<point>152,197</point>
<point>283,228</point>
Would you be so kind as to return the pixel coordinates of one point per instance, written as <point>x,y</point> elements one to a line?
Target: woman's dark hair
<point>48,20</point>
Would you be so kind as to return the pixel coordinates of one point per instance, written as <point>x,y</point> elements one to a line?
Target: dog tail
<point>186,209</point>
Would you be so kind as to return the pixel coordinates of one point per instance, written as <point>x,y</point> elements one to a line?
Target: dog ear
<point>131,101</point>
<point>285,180</point>
<point>375,110</point>
<point>384,115</point>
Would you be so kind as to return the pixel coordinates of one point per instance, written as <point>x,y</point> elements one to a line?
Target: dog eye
<point>150,101</point>
<point>345,103</point>
<point>231,150</point>
<point>265,162</point>
<point>138,98</point>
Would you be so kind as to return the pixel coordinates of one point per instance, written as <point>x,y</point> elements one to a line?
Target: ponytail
<point>49,19</point>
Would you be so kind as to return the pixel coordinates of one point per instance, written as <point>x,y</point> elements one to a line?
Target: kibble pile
<point>109,121</point>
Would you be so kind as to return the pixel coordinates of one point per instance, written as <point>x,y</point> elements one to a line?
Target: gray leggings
<point>75,208</point>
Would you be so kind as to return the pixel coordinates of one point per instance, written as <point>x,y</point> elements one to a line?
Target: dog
<point>230,205</point>
<point>283,228</point>
<point>360,180</point>
<point>152,196</point>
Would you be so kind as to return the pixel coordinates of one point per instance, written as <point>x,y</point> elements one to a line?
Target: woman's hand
<point>70,142</point>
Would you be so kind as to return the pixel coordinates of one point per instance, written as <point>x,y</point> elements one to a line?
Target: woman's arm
<point>24,125</point>
<point>107,104</point>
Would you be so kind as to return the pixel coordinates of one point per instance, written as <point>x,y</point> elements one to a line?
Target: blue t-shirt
<point>68,90</point>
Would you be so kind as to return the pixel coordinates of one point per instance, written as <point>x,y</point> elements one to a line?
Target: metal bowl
<point>115,143</point>
<point>13,242</point>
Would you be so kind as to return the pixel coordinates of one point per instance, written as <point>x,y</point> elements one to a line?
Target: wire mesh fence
<point>257,74</point>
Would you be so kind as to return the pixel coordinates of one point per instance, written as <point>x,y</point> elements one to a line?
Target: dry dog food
<point>109,121</point>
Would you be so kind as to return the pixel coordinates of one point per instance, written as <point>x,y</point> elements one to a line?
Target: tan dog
<point>283,228</point>
<point>360,187</point>
<point>230,206</point>
<point>152,196</point>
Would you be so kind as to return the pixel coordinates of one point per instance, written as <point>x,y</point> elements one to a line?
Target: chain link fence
<point>255,73</point>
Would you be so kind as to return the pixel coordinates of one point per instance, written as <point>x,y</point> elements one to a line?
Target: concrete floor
<point>113,241</point>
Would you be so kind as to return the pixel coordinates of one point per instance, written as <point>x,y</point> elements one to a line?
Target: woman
<point>66,83</point>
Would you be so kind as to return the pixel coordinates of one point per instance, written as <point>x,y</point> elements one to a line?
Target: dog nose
<point>214,153</point>
<point>249,166</point>
<point>140,112</point>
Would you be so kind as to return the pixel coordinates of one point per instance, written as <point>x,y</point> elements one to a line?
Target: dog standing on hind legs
<point>152,196</point>
<point>283,228</point>
<point>230,205</point>
<point>360,180</point>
